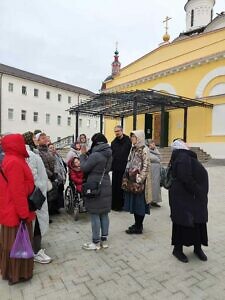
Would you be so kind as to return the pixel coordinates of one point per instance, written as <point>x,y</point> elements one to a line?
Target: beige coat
<point>139,158</point>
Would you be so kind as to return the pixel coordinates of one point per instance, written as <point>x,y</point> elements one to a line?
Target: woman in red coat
<point>15,187</point>
<point>75,173</point>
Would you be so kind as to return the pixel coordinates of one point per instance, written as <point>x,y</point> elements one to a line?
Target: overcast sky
<point>74,40</point>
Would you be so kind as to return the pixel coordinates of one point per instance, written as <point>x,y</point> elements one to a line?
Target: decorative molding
<point>165,87</point>
<point>207,78</point>
<point>166,72</point>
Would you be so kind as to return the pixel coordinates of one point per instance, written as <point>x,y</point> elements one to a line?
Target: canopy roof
<point>123,104</point>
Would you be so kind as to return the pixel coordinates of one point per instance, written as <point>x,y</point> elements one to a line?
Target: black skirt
<point>189,236</point>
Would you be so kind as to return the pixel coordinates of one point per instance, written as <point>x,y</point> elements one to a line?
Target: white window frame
<point>23,115</point>
<point>10,113</point>
<point>36,91</point>
<point>35,117</point>
<point>10,87</point>
<point>24,90</point>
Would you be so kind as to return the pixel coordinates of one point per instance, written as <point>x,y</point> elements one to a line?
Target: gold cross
<point>166,21</point>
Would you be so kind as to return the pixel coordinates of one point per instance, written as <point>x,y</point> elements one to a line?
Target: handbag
<point>22,246</point>
<point>92,189</point>
<point>166,178</point>
<point>131,186</point>
<point>36,199</point>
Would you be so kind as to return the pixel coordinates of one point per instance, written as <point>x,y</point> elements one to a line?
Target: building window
<point>69,121</point>
<point>59,118</point>
<point>35,117</point>
<point>59,97</point>
<point>23,115</point>
<point>80,122</point>
<point>69,99</point>
<point>88,123</point>
<point>35,92</point>
<point>24,90</point>
<point>47,116</point>
<point>192,17</point>
<point>211,14</point>
<point>10,88</point>
<point>47,95</point>
<point>10,113</point>
<point>58,138</point>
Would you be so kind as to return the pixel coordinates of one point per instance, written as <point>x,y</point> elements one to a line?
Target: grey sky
<point>74,40</point>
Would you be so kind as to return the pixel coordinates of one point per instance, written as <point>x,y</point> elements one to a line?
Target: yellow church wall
<point>185,83</point>
<point>171,55</point>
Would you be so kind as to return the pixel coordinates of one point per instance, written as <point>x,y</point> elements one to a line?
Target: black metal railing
<point>65,142</point>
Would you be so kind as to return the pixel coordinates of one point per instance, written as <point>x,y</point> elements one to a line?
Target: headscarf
<point>179,144</point>
<point>140,135</point>
<point>28,138</point>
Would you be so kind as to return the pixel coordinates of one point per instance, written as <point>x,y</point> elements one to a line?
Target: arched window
<point>192,17</point>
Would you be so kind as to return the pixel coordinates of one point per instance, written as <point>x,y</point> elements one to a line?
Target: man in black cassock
<point>120,150</point>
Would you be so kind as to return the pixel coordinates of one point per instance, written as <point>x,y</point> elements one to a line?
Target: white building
<point>29,102</point>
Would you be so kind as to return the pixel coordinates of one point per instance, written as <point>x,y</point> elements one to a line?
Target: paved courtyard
<point>134,267</point>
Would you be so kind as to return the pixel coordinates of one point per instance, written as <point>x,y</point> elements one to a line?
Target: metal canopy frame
<point>132,103</point>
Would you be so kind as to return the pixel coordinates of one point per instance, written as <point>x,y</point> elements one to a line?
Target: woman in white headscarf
<point>137,182</point>
<point>188,201</point>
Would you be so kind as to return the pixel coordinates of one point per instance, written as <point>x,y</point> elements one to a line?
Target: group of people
<point>31,160</point>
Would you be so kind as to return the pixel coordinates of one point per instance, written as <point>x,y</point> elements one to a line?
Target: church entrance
<point>153,128</point>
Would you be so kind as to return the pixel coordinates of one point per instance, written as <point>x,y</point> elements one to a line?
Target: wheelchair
<point>74,204</point>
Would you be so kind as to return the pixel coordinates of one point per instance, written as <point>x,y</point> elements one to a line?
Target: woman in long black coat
<point>188,202</point>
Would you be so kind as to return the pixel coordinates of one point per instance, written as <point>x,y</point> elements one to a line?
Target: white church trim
<point>165,87</point>
<point>207,78</point>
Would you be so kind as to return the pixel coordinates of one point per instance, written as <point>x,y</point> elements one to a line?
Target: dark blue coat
<point>188,194</point>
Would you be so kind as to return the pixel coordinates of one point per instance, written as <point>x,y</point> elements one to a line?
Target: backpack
<point>166,178</point>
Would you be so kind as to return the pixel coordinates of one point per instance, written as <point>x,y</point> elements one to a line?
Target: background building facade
<point>193,66</point>
<point>30,102</point>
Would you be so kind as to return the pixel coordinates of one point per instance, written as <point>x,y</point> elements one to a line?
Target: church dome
<point>199,13</point>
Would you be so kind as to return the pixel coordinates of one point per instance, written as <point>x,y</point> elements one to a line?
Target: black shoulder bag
<point>35,200</point>
<point>93,189</point>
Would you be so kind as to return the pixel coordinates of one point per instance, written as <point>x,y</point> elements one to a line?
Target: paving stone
<point>134,267</point>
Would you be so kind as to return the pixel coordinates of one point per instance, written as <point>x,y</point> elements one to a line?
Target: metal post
<point>135,113</point>
<point>185,124</point>
<point>122,121</point>
<point>77,125</point>
<point>162,139</point>
<point>101,123</point>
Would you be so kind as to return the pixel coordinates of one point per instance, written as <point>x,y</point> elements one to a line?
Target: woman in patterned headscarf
<point>137,182</point>
<point>188,201</point>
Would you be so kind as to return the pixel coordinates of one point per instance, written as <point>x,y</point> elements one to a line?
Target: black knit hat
<point>28,138</point>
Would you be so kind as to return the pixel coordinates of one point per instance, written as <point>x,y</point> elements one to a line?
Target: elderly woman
<point>137,182</point>
<point>41,180</point>
<point>16,184</point>
<point>188,201</point>
<point>155,169</point>
<point>96,167</point>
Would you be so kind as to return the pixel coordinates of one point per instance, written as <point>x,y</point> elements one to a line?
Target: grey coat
<point>93,166</point>
<point>155,169</point>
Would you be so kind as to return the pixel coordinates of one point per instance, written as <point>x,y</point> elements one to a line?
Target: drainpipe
<point>1,102</point>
